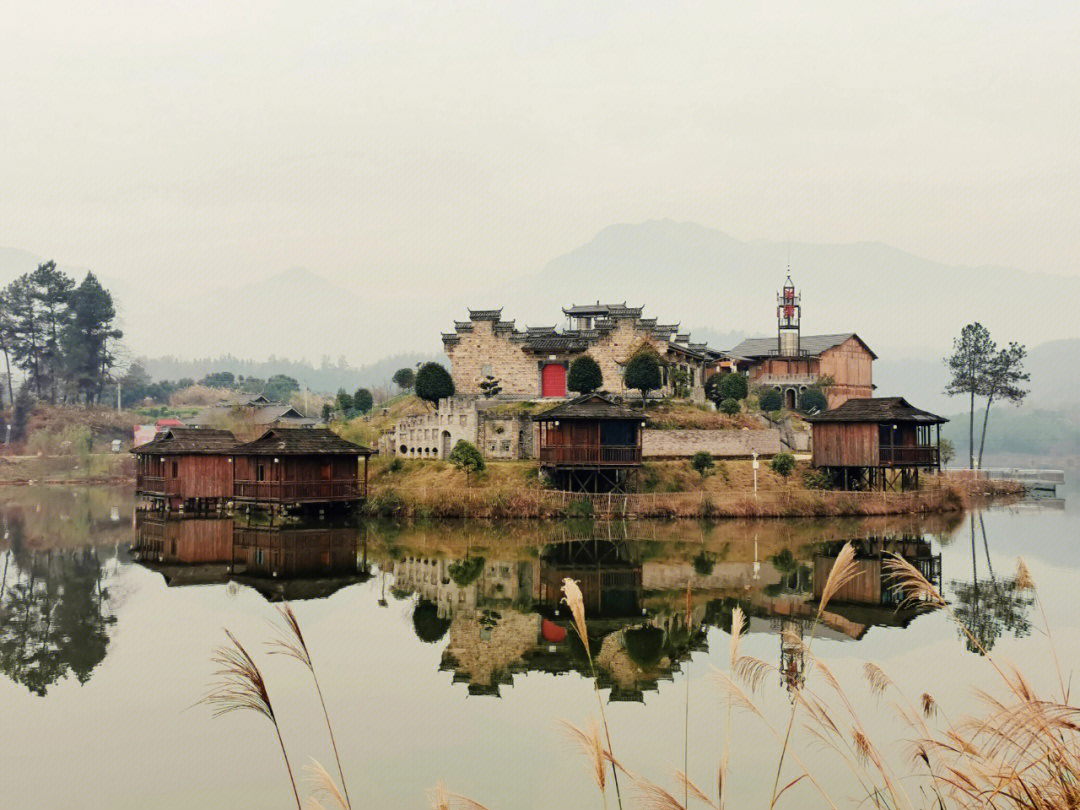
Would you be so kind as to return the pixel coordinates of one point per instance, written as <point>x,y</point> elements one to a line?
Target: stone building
<point>497,434</point>
<point>791,362</point>
<point>532,363</point>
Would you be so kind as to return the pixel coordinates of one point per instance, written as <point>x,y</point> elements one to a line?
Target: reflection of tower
<point>792,657</point>
<point>788,313</point>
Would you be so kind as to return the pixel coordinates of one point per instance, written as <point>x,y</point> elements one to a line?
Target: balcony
<point>907,455</point>
<point>590,455</point>
<point>157,485</point>
<point>343,489</point>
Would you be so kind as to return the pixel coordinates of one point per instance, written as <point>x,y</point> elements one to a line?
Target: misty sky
<point>378,143</point>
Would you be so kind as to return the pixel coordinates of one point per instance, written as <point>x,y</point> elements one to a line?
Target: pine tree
<point>87,339</point>
<point>968,365</point>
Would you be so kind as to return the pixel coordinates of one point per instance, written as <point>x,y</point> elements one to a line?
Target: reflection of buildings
<point>871,586</point>
<point>502,617</point>
<point>279,562</point>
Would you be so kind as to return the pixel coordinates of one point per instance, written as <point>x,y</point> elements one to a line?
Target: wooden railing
<point>908,455</point>
<point>343,489</point>
<point>591,454</point>
<point>157,485</point>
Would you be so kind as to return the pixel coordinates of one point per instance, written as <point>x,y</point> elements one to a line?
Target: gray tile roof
<point>813,345</point>
<point>291,441</point>
<point>590,406</point>
<point>880,409</point>
<point>186,441</point>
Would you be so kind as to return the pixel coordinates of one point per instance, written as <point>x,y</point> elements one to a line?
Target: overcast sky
<point>379,142</point>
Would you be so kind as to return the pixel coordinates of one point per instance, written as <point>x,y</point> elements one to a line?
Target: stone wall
<point>433,435</point>
<point>659,444</point>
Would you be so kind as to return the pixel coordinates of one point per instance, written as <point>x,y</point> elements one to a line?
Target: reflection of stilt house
<point>878,443</point>
<point>872,586</point>
<point>590,444</point>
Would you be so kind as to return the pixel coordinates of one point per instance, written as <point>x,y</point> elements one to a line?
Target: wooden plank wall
<point>203,476</point>
<point>864,588</point>
<point>845,444</point>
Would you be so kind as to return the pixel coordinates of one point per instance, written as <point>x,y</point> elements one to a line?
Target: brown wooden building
<point>299,466</point>
<point>590,443</point>
<point>876,443</point>
<point>185,467</point>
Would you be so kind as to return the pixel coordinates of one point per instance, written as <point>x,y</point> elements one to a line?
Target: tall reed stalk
<point>240,686</point>
<point>576,602</point>
<point>290,642</point>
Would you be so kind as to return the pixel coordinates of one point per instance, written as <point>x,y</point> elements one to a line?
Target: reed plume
<point>290,642</point>
<point>439,798</point>
<point>588,740</point>
<point>323,784</point>
<point>576,602</point>
<point>738,618</point>
<point>240,686</point>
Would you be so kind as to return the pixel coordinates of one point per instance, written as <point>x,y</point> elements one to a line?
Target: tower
<point>788,312</point>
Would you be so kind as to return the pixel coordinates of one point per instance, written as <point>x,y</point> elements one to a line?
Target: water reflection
<point>56,612</point>
<point>280,562</point>
<point>990,606</point>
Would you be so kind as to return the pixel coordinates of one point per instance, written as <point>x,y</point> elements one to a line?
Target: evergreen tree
<point>972,354</point>
<point>344,402</point>
<point>433,382</point>
<point>643,374</point>
<point>1004,374</point>
<point>584,376</point>
<point>87,339</point>
<point>362,400</point>
<point>404,378</point>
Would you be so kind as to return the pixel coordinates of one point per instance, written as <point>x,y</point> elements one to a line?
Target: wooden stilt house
<point>590,443</point>
<point>299,466</point>
<point>186,467</point>
<point>876,443</point>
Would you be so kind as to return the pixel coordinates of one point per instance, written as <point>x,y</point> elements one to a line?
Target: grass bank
<point>434,489</point>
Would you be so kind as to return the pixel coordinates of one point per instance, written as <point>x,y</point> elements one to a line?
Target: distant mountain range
<point>720,288</point>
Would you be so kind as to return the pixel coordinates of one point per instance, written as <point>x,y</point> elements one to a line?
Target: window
<point>260,472</point>
<point>175,469</point>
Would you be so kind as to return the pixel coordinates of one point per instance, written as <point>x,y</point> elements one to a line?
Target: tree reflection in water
<point>990,607</point>
<point>55,614</point>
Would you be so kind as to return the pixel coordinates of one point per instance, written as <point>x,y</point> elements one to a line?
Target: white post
<point>754,454</point>
<point>118,396</point>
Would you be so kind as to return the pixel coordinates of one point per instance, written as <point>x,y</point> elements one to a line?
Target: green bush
<point>466,571</point>
<point>581,508</point>
<point>812,400</point>
<point>584,376</point>
<point>433,382</point>
<point>643,374</point>
<point>734,386</point>
<point>702,462</point>
<point>783,464</point>
<point>397,465</point>
<point>730,407</point>
<point>817,479</point>
<point>771,400</point>
<point>466,457</point>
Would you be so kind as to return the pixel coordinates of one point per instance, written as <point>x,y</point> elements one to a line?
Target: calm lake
<point>444,655</point>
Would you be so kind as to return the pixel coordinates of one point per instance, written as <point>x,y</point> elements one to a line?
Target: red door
<point>553,381</point>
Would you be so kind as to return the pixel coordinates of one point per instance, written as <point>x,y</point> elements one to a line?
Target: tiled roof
<point>880,409</point>
<point>485,314</point>
<point>813,345</point>
<point>556,343</point>
<point>290,441</point>
<point>177,441</point>
<point>590,406</point>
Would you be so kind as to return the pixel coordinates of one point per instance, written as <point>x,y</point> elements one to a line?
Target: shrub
<point>396,465</point>
<point>730,407</point>
<point>813,400</point>
<point>771,400</point>
<point>362,400</point>
<point>433,382</point>
<point>817,479</point>
<point>581,508</point>
<point>584,376</point>
<point>643,374</point>
<point>734,386</point>
<point>466,571</point>
<point>466,457</point>
<point>783,464</point>
<point>702,462</point>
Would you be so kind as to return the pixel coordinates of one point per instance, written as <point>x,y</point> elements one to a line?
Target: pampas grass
<point>240,686</point>
<point>290,642</point>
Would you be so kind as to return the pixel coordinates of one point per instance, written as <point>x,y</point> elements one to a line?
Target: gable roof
<point>293,441</point>
<point>813,345</point>
<point>590,406</point>
<point>266,414</point>
<point>880,409</point>
<point>188,441</point>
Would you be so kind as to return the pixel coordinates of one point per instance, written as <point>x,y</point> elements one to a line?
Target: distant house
<point>791,362</point>
<point>290,466</point>
<point>590,443</point>
<point>184,466</point>
<point>258,411</point>
<point>875,443</point>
